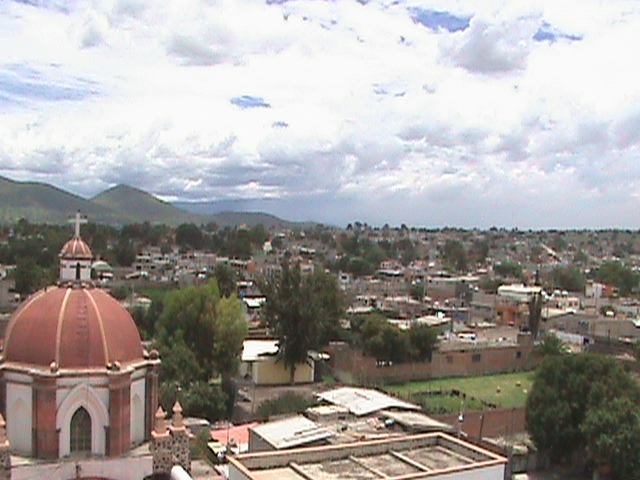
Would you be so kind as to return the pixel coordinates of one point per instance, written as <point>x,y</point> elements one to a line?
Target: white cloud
<point>378,117</point>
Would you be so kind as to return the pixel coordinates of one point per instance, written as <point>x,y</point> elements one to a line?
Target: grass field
<point>506,391</point>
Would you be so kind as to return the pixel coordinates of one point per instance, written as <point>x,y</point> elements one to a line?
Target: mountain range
<point>43,203</point>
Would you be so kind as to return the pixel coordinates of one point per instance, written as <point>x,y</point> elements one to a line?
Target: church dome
<point>76,248</point>
<point>72,327</point>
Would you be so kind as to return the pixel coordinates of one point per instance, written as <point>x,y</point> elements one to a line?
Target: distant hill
<point>227,213</point>
<point>135,205</point>
<point>43,203</point>
<point>250,219</point>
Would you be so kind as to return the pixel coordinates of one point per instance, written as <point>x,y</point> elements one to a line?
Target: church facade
<point>74,377</point>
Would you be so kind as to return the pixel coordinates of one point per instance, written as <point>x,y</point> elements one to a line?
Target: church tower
<point>74,376</point>
<point>75,257</point>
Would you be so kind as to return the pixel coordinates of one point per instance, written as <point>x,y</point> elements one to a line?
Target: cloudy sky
<point>429,113</point>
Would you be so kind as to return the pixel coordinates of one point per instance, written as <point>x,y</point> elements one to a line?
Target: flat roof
<point>253,350</point>
<point>363,401</point>
<point>291,432</point>
<point>411,457</point>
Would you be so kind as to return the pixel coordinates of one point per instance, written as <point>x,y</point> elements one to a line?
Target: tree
<point>567,391</point>
<point>509,268</point>
<point>29,277</point>
<point>200,334</point>
<point>384,341</point>
<point>226,277</point>
<point>613,436</point>
<point>125,252</point>
<point>618,275</point>
<point>479,251</point>
<point>535,313</point>
<point>388,343</point>
<point>423,339</point>
<point>454,255</point>
<point>300,312</point>
<point>568,278</point>
<point>328,304</point>
<point>189,235</point>
<point>230,332</point>
<point>550,345</point>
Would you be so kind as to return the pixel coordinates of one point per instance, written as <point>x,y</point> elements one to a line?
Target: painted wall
<point>270,372</point>
<point>20,417</point>
<point>138,395</point>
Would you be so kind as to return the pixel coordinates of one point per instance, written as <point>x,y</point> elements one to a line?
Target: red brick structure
<point>74,377</point>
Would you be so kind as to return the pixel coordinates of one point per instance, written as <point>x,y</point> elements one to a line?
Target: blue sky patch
<point>389,89</point>
<point>20,83</point>
<point>248,101</point>
<point>437,20</point>
<point>548,33</point>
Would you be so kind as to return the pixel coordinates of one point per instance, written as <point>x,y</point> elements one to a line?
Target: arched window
<point>80,431</point>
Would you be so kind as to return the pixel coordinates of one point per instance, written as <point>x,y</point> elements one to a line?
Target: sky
<point>430,113</point>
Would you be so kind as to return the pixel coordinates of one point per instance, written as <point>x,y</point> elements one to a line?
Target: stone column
<point>45,436</point>
<point>151,391</point>
<point>161,445</point>
<point>119,413</point>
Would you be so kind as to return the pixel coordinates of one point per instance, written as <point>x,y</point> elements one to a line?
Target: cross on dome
<point>78,220</point>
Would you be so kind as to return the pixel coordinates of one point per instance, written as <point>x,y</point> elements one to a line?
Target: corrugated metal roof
<point>362,401</point>
<point>291,432</point>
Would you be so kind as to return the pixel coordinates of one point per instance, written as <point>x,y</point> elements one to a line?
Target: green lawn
<point>508,390</point>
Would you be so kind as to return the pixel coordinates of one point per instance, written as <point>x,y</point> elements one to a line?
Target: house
<point>512,303</point>
<point>260,363</point>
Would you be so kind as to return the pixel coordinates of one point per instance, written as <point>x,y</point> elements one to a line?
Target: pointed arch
<point>86,397</point>
<point>80,431</point>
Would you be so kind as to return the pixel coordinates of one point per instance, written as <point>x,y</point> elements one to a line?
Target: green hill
<point>43,203</point>
<point>135,205</point>
<point>250,219</point>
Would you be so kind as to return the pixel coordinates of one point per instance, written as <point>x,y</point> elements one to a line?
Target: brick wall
<point>351,365</point>
<point>496,423</point>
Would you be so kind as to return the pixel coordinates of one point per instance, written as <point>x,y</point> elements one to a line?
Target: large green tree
<point>189,235</point>
<point>200,336</point>
<point>302,312</point>
<point>612,431</point>
<point>618,275</point>
<point>564,408</point>
<point>568,278</point>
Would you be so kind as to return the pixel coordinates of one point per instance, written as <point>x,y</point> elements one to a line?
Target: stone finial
<point>176,420</point>
<point>160,426</point>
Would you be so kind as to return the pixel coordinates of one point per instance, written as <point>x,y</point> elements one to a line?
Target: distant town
<point>281,337</point>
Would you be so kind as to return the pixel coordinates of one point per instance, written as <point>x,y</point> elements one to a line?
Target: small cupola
<point>76,256</point>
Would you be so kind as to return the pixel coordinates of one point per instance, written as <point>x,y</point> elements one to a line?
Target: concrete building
<point>433,456</point>
<point>260,363</point>
<point>512,304</point>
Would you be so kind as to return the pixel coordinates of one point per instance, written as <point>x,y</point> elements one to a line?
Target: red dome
<point>75,327</point>
<point>77,249</point>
